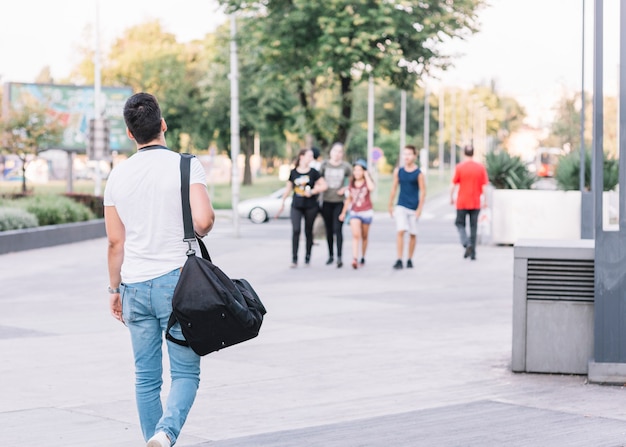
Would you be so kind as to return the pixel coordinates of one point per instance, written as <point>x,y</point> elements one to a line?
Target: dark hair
<point>301,152</point>
<point>412,148</point>
<point>143,117</point>
<point>468,151</point>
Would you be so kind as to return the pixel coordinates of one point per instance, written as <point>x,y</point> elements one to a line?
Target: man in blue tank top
<point>410,203</point>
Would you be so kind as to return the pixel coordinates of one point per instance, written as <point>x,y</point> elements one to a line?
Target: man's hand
<point>115,303</point>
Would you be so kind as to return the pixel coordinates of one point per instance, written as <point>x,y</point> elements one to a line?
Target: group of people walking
<point>342,193</point>
<point>343,190</point>
<point>146,250</point>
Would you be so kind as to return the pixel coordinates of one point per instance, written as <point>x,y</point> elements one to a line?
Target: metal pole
<point>453,131</point>
<point>402,125</point>
<point>597,159</point>
<point>582,111</point>
<point>621,133</point>
<point>370,122</point>
<point>96,100</point>
<point>234,122</point>
<point>441,129</point>
<point>424,166</point>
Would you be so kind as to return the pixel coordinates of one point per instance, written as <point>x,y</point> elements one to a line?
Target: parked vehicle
<point>547,159</point>
<point>262,209</point>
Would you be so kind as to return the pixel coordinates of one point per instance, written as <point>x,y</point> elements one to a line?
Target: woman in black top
<point>306,184</point>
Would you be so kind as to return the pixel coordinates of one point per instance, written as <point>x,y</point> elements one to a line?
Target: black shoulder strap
<point>190,235</point>
<point>185,169</point>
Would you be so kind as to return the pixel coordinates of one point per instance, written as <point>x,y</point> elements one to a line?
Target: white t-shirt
<point>145,191</point>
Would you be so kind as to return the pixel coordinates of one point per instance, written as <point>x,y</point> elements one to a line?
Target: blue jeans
<point>146,308</point>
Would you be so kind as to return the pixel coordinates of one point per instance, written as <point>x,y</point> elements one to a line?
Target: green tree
<point>565,129</point>
<point>26,131</point>
<point>322,49</point>
<point>265,106</point>
<point>147,58</point>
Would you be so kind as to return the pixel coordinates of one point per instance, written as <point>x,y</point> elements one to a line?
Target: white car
<point>262,209</point>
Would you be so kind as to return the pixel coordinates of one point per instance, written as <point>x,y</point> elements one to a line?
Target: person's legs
<point>402,226</point>
<point>184,363</point>
<point>412,244</point>
<point>400,244</point>
<point>309,220</point>
<point>473,218</point>
<point>185,373</point>
<point>329,225</point>
<point>412,221</point>
<point>460,226</point>
<point>338,228</point>
<point>146,308</point>
<point>145,336</point>
<point>296,224</point>
<point>365,229</point>
<point>355,227</point>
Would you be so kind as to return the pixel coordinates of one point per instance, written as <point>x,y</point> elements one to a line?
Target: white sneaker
<point>159,440</point>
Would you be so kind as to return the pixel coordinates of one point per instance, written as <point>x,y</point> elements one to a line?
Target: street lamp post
<point>424,158</point>
<point>453,131</point>
<point>441,130</point>
<point>234,122</point>
<point>402,125</point>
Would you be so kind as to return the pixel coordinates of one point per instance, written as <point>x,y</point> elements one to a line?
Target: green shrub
<point>16,219</point>
<point>567,173</point>
<point>52,210</point>
<point>508,172</point>
<point>94,203</point>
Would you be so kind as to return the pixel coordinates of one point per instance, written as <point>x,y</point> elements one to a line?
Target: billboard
<point>74,106</point>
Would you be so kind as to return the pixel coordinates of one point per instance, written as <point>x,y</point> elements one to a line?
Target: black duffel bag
<point>213,311</point>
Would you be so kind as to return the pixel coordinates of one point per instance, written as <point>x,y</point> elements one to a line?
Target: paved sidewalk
<point>372,357</point>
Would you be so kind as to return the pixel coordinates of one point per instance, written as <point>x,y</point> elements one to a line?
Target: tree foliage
<point>28,130</point>
<point>301,67</point>
<point>328,46</point>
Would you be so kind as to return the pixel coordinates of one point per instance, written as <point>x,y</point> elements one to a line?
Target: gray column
<point>609,363</point>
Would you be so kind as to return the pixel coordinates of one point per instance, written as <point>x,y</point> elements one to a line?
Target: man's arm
<point>288,189</point>
<point>394,188</point>
<point>202,212</point>
<point>453,187</point>
<point>422,186</point>
<point>116,235</point>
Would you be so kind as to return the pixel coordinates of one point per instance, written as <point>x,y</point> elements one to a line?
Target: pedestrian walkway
<point>367,357</point>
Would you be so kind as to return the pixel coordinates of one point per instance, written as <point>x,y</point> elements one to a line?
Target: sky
<point>532,49</point>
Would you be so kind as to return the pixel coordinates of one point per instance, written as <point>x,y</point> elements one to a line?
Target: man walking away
<point>469,179</point>
<point>144,226</point>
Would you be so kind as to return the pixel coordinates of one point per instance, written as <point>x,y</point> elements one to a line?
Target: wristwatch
<point>113,291</point>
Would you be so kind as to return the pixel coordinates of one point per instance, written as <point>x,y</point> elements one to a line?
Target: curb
<point>50,235</point>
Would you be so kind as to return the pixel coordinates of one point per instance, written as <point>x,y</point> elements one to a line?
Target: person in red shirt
<point>469,179</point>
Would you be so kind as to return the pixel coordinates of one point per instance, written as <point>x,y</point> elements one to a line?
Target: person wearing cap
<point>470,178</point>
<point>337,174</point>
<point>411,199</point>
<point>359,203</point>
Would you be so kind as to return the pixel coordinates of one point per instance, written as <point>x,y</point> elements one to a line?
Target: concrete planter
<point>50,235</point>
<point>543,214</point>
<point>534,214</point>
